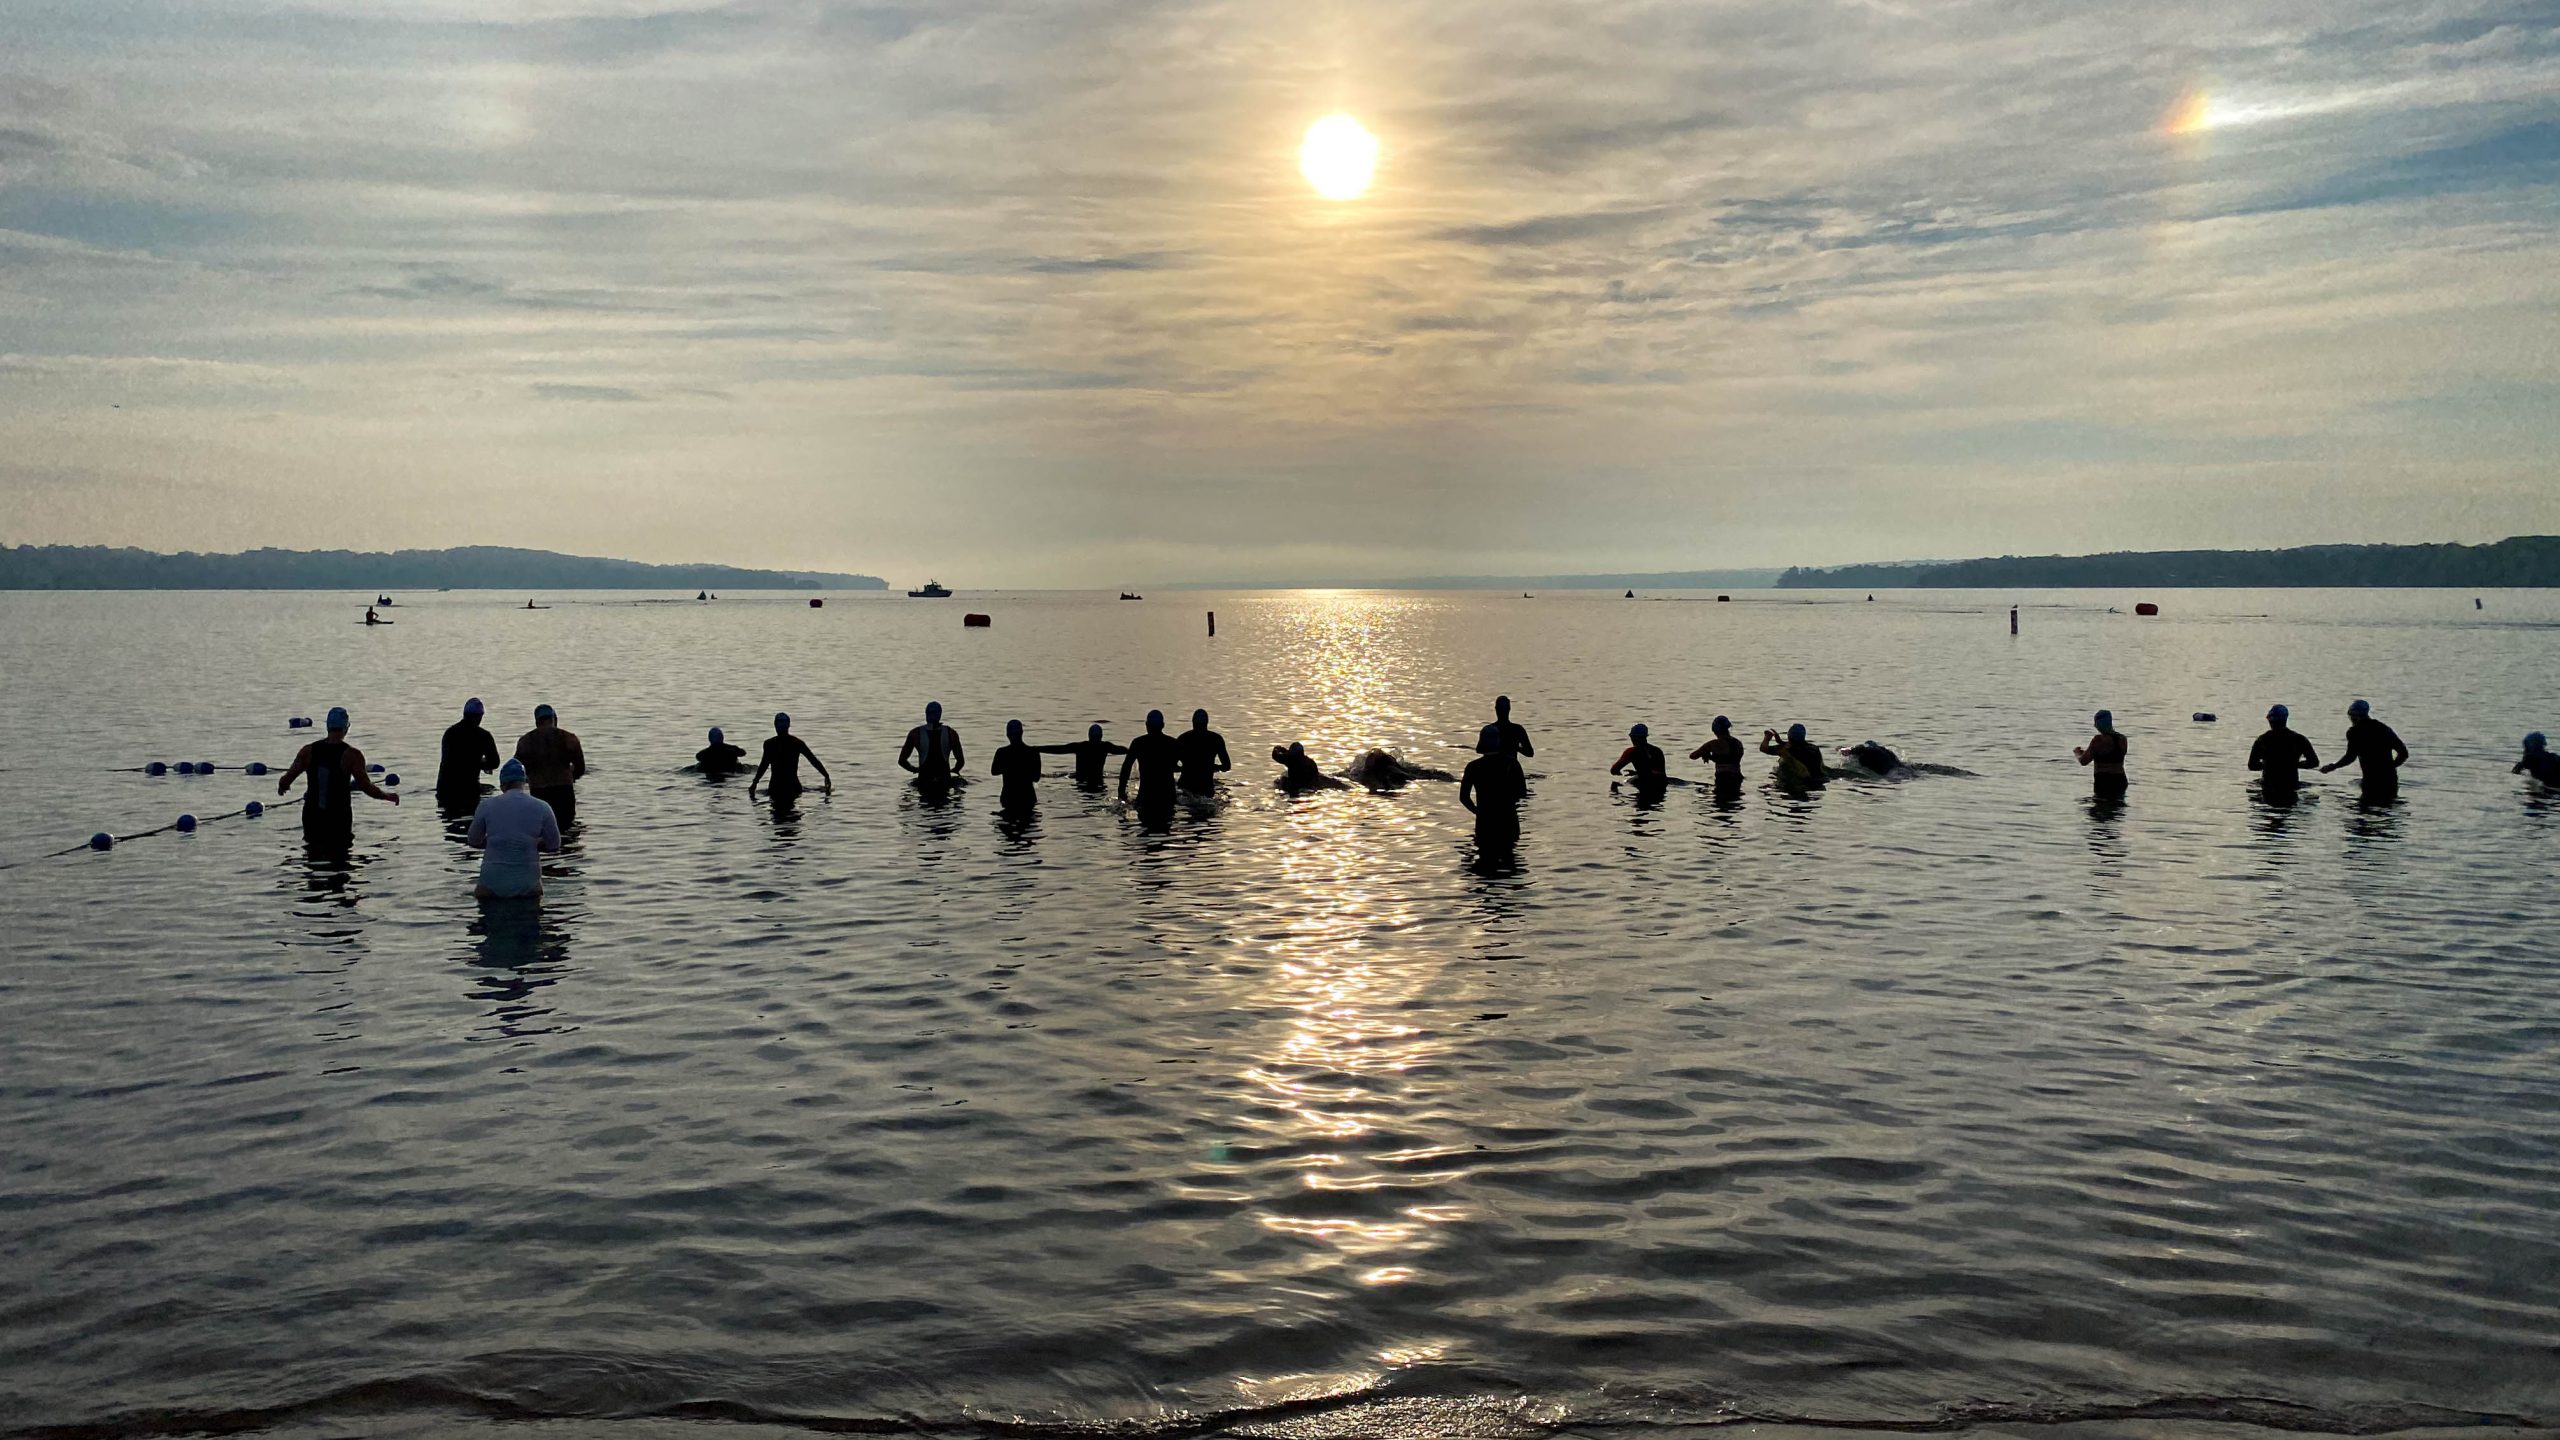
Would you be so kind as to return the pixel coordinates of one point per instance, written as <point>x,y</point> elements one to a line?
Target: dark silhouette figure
<point>554,763</point>
<point>1644,761</point>
<point>1019,767</point>
<point>1724,753</point>
<point>1799,759</point>
<point>1502,737</point>
<point>2104,755</point>
<point>782,756</point>
<point>2377,748</point>
<point>470,752</point>
<point>2538,761</point>
<point>720,757</point>
<point>1204,755</point>
<point>337,771</point>
<point>1089,753</point>
<point>2281,755</point>
<point>1490,789</point>
<point>371,618</point>
<point>1299,773</point>
<point>1156,757</point>
<point>1874,756</point>
<point>932,752</point>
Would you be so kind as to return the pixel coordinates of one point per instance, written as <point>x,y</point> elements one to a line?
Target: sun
<point>1338,157</point>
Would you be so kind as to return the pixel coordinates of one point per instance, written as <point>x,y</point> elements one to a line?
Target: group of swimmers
<point>537,787</point>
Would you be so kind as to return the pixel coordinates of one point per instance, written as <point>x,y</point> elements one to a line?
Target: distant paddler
<point>2104,755</point>
<point>932,752</point>
<point>783,752</point>
<point>2539,761</point>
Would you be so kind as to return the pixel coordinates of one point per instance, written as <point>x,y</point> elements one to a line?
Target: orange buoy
<point>2146,608</point>
<point>817,604</point>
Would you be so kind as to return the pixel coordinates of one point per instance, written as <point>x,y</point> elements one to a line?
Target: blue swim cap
<point>2278,712</point>
<point>2359,708</point>
<point>933,709</point>
<point>1795,732</point>
<point>715,734</point>
<point>1155,719</point>
<point>545,712</point>
<point>472,707</point>
<point>2534,741</point>
<point>512,773</point>
<point>337,717</point>
<point>1093,731</point>
<point>1013,729</point>
<point>1722,724</point>
<point>781,722</point>
<point>2106,719</point>
<point>1638,732</point>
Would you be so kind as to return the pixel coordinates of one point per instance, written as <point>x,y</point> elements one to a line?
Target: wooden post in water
<point>1213,624</point>
<point>2013,619</point>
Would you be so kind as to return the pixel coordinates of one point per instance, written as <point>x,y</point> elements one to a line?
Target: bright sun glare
<point>1338,157</point>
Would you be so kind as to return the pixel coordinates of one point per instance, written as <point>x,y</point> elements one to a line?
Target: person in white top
<point>513,831</point>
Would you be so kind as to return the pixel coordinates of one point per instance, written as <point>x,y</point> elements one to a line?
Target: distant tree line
<point>472,567</point>
<point>2524,560</point>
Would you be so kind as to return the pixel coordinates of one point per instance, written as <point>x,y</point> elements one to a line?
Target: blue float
<point>204,767</point>
<point>156,767</point>
<point>298,722</point>
<point>186,824</point>
<point>186,767</point>
<point>374,768</point>
<point>2204,717</point>
<point>391,780</point>
<point>102,841</point>
<point>255,810</point>
<point>257,767</point>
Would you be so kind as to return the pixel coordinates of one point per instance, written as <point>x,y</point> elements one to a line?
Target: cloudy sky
<point>1033,292</point>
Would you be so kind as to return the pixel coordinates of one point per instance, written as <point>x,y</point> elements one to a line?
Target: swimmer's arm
<point>2258,756</point>
<point>758,779</point>
<point>1520,741</point>
<point>364,781</point>
<point>1128,760</point>
<point>2399,751</point>
<point>548,843</point>
<point>958,759</point>
<point>1467,792</point>
<point>1769,746</point>
<point>577,759</point>
<point>2345,757</point>
<point>1624,758</point>
<point>488,751</point>
<point>1223,762</point>
<point>293,772</point>
<point>820,765</point>
<point>905,752</point>
<point>1068,749</point>
<point>478,836</point>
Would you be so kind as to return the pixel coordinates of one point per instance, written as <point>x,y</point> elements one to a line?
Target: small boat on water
<point>1125,595</point>
<point>933,590</point>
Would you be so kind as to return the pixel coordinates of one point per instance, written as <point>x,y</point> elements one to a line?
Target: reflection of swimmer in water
<point>1155,756</point>
<point>1089,753</point>
<point>1644,759</point>
<point>1204,755</point>
<point>1799,762</point>
<point>2282,754</point>
<point>2104,755</point>
<point>720,757</point>
<point>2538,761</point>
<point>932,752</point>
<point>1725,753</point>
<point>782,756</point>
<point>1297,772</point>
<point>1018,765</point>
<point>1386,770</point>
<point>513,831</point>
<point>1873,756</point>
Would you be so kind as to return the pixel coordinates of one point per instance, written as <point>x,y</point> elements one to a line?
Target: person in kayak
<point>1204,755</point>
<point>1725,753</point>
<point>337,771</point>
<point>2281,755</point>
<point>469,752</point>
<point>720,757</point>
<point>1018,765</point>
<point>513,831</point>
<point>1799,761</point>
<point>2104,755</point>
<point>2538,761</point>
<point>2377,748</point>
<point>1645,760</point>
<point>782,756</point>
<point>932,752</point>
<point>1156,757</point>
<point>1089,753</point>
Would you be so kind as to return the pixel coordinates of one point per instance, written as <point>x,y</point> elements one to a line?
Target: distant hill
<point>2524,560</point>
<point>1652,580</point>
<point>472,567</point>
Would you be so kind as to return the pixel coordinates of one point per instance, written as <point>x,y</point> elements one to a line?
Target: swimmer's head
<point>337,719</point>
<point>1795,732</point>
<point>2105,720</point>
<point>543,714</point>
<point>1199,719</point>
<point>1722,725</point>
<point>2278,714</point>
<point>472,708</point>
<point>932,711</point>
<point>716,736</point>
<point>1013,730</point>
<point>1093,731</point>
<point>2533,743</point>
<point>1155,720</point>
<point>1637,732</point>
<point>1502,706</point>
<point>781,723</point>
<point>2359,708</point>
<point>511,774</point>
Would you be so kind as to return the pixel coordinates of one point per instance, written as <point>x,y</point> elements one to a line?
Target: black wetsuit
<point>1644,759</point>
<point>1298,771</point>
<point>2107,750</point>
<point>721,759</point>
<point>2280,756</point>
<point>933,745</point>
<point>328,792</point>
<point>1876,757</point>
<point>2376,747</point>
<point>1491,782</point>
<point>1806,754</point>
<point>470,752</point>
<point>782,755</point>
<point>1019,765</point>
<point>1725,753</point>
<point>1089,756</point>
<point>1157,756</point>
<point>1202,752</point>
<point>2542,765</point>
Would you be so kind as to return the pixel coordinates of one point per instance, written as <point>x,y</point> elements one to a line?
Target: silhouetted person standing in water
<point>2377,748</point>
<point>337,771</point>
<point>1651,772</point>
<point>2281,755</point>
<point>1089,753</point>
<point>1799,759</point>
<point>932,752</point>
<point>1490,789</point>
<point>554,762</point>
<point>782,756</point>
<point>1725,753</point>
<point>1156,757</point>
<point>1019,767</point>
<point>1204,755</point>
<point>470,752</point>
<point>2104,755</point>
<point>720,757</point>
<point>2538,761</point>
<point>1502,737</point>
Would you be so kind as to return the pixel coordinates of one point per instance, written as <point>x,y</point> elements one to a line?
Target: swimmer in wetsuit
<point>720,757</point>
<point>1018,765</point>
<point>1502,737</point>
<point>2538,761</point>
<point>470,752</point>
<point>1490,789</point>
<point>1799,761</point>
<point>2104,755</point>
<point>1156,757</point>
<point>1089,753</point>
<point>1204,755</point>
<point>337,771</point>
<point>932,752</point>
<point>1725,753</point>
<point>1298,772</point>
<point>1874,756</point>
<point>1644,758</point>
<point>2281,755</point>
<point>2377,748</point>
<point>782,756</point>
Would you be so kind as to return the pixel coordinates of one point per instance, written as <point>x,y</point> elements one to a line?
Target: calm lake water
<point>1950,1101</point>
